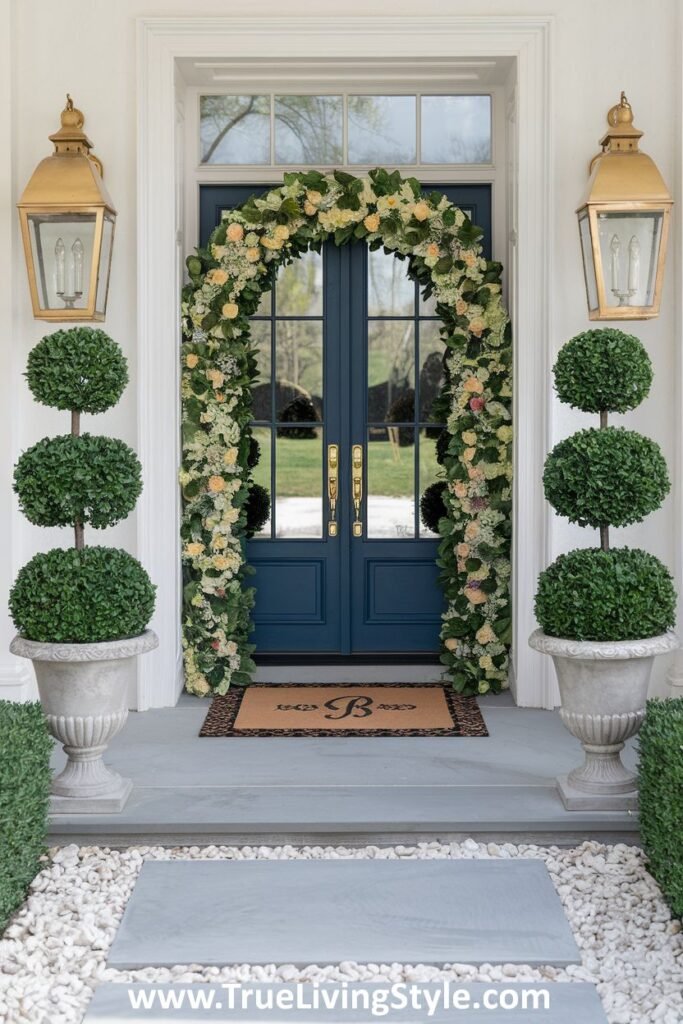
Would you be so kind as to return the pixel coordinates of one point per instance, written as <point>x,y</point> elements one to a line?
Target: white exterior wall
<point>88,48</point>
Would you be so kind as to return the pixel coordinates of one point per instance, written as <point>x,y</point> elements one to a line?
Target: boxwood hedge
<point>660,772</point>
<point>24,791</point>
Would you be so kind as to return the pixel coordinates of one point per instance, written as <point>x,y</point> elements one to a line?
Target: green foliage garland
<point>219,367</point>
<point>25,775</point>
<point>660,784</point>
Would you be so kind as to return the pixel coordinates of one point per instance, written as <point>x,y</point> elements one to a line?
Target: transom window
<point>275,130</point>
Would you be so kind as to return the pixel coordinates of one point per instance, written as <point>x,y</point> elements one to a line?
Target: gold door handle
<point>332,487</point>
<point>357,487</point>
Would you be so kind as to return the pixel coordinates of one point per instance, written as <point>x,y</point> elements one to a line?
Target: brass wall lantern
<point>624,225</point>
<point>67,225</point>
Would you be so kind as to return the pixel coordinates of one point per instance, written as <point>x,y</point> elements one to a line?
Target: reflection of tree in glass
<point>384,129</point>
<point>220,115</point>
<point>392,293</point>
<point>310,129</point>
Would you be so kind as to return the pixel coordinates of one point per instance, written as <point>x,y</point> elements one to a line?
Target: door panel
<point>349,354</point>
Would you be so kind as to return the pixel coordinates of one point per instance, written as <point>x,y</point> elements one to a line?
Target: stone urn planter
<point>83,690</point>
<point>603,690</point>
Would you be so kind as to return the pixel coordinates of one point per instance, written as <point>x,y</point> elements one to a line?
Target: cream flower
<point>281,231</point>
<point>220,562</point>
<point>504,434</point>
<point>469,454</point>
<point>271,243</point>
<point>469,437</point>
<point>486,635</point>
<point>194,549</point>
<point>462,550</point>
<point>313,197</point>
<point>235,232</point>
<point>219,542</point>
<point>486,661</point>
<point>309,209</point>
<point>371,222</point>
<point>230,456</point>
<point>472,530</point>
<point>230,310</point>
<point>253,255</point>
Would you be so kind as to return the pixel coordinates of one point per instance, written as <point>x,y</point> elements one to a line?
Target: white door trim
<point>161,41</point>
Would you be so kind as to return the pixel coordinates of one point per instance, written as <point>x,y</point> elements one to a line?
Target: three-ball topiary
<point>601,478</point>
<point>80,594</point>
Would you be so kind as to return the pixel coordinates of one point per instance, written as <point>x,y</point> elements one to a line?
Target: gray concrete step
<point>550,1003</point>
<point>330,911</point>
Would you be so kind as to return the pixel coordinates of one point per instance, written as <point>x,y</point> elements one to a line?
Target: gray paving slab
<point>329,911</point>
<point>575,1003</point>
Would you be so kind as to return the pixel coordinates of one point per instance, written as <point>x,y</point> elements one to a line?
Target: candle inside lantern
<point>77,252</point>
<point>615,246</point>
<point>633,264</point>
<point>60,256</point>
<point>69,275</point>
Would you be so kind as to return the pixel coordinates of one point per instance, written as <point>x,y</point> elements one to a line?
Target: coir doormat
<point>338,709</point>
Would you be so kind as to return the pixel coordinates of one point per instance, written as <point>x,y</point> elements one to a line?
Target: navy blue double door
<point>350,363</point>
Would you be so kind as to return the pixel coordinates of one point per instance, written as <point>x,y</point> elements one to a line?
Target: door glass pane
<point>391,371</point>
<point>299,367</point>
<point>300,286</point>
<point>381,129</point>
<point>390,290</point>
<point>456,130</point>
<point>308,129</point>
<point>235,129</point>
<point>261,391</point>
<point>431,367</point>
<point>391,482</point>
<point>430,470</point>
<point>261,471</point>
<point>299,482</point>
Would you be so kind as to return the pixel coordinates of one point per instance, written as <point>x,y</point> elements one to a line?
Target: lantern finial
<point>622,136</point>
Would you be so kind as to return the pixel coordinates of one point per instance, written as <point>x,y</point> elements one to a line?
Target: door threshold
<point>305,672</point>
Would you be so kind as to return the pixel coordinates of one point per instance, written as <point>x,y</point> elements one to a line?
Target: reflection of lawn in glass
<point>390,469</point>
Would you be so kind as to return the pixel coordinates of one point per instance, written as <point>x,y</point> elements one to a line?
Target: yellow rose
<point>253,255</point>
<point>230,456</point>
<point>281,231</point>
<point>309,209</point>
<point>216,484</point>
<point>473,385</point>
<point>219,542</point>
<point>371,222</point>
<point>475,596</point>
<point>313,197</point>
<point>486,635</point>
<point>235,232</point>
<point>451,644</point>
<point>230,310</point>
<point>461,307</point>
<point>271,243</point>
<point>191,360</point>
<point>469,437</point>
<point>217,276</point>
<point>194,549</point>
<point>462,550</point>
<point>421,211</point>
<point>220,562</point>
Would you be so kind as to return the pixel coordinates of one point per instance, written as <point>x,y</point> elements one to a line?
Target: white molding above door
<point>163,41</point>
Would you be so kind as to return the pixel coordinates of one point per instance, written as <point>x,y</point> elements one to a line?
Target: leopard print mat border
<point>417,709</point>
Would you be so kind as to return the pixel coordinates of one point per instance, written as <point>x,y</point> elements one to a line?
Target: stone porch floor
<point>352,791</point>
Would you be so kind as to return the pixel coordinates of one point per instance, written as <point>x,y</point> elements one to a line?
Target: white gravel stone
<point>53,954</point>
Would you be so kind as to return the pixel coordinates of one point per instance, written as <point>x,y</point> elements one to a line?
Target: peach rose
<point>460,489</point>
<point>219,542</point>
<point>271,243</point>
<point>235,232</point>
<point>371,222</point>
<point>473,385</point>
<point>230,310</point>
<point>216,484</point>
<point>281,231</point>
<point>470,258</point>
<point>462,550</point>
<point>477,326</point>
<point>191,360</point>
<point>253,255</point>
<point>194,549</point>
<point>217,276</point>
<point>309,209</point>
<point>475,596</point>
<point>469,437</point>
<point>472,530</point>
<point>451,644</point>
<point>421,211</point>
<point>461,307</point>
<point>469,454</point>
<point>219,396</point>
<point>433,249</point>
<point>220,562</point>
<point>313,197</point>
<point>486,635</point>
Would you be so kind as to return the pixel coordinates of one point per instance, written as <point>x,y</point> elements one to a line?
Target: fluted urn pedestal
<point>603,690</point>
<point>83,690</point>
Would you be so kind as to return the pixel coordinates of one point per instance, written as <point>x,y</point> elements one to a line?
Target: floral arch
<point>219,366</point>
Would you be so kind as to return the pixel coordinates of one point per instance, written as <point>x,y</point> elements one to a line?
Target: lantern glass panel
<point>630,242</point>
<point>105,263</point>
<point>62,252</point>
<point>588,261</point>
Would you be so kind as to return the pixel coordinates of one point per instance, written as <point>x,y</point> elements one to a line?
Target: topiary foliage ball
<point>254,453</point>
<point>606,477</point>
<point>89,479</point>
<point>603,370</point>
<point>432,505</point>
<point>300,410</point>
<point>80,597</point>
<point>257,507</point>
<point>621,594</point>
<point>81,368</point>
